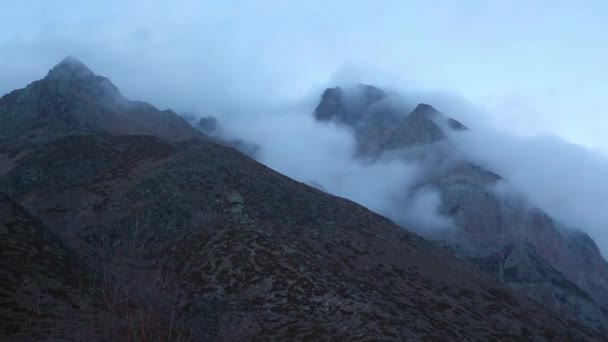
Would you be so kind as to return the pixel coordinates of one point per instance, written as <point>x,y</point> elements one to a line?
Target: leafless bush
<point>138,302</point>
<point>130,297</point>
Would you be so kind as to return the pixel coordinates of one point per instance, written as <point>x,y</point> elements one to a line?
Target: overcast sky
<point>535,66</point>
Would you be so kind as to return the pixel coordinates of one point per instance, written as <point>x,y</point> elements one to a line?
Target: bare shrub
<point>137,301</point>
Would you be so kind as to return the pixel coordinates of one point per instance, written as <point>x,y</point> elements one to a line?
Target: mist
<point>323,155</point>
<point>531,87</point>
<point>565,180</point>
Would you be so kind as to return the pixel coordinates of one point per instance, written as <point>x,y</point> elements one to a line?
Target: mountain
<point>522,247</point>
<point>72,99</point>
<point>167,239</point>
<point>379,123</point>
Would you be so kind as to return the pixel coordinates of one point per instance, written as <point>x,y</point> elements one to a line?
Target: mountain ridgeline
<point>124,222</point>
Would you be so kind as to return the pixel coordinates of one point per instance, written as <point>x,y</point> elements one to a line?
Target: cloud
<point>565,180</point>
<point>418,210</point>
<point>297,145</point>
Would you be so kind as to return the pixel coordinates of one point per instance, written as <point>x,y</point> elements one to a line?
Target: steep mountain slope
<point>215,246</point>
<point>256,254</point>
<point>522,247</point>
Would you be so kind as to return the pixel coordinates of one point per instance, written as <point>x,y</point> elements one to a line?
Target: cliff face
<point>522,247</point>
<point>192,240</point>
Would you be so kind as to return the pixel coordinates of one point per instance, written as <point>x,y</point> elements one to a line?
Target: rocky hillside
<point>193,240</point>
<point>521,247</point>
<point>43,286</point>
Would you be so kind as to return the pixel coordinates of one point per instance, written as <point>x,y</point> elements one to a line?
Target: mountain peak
<point>70,68</point>
<point>424,108</point>
<point>71,99</point>
<point>370,93</point>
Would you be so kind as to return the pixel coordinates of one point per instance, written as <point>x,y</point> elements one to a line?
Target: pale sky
<point>533,66</point>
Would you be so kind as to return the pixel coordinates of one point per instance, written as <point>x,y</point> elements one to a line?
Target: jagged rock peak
<point>424,108</point>
<point>70,68</point>
<point>352,100</point>
<point>369,93</point>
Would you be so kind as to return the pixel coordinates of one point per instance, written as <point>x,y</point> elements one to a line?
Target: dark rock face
<point>193,240</point>
<point>522,247</point>
<point>72,99</point>
<point>350,106</point>
<point>519,266</point>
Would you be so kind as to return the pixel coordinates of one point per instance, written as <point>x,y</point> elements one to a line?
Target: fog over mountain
<point>260,68</point>
<point>209,166</point>
<point>232,62</point>
<point>562,178</point>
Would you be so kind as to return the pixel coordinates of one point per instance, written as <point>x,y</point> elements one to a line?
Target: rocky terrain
<point>522,247</point>
<point>150,231</point>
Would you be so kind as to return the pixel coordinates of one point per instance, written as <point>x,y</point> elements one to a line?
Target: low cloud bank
<point>565,180</point>
<point>297,145</point>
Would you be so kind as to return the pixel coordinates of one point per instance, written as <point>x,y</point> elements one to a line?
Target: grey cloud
<point>565,180</point>
<point>294,144</point>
